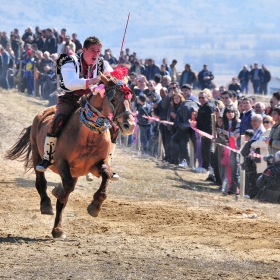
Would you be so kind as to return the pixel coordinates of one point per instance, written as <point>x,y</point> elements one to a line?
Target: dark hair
<point>247,99</point>
<point>227,92</point>
<point>249,132</point>
<point>276,109</point>
<point>91,41</point>
<point>230,108</point>
<point>276,94</point>
<point>157,78</point>
<point>142,97</point>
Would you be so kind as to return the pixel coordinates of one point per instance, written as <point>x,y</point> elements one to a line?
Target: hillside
<point>220,33</point>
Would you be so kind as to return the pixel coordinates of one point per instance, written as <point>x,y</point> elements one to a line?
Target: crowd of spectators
<point>165,95</point>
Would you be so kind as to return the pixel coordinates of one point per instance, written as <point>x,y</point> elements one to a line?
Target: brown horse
<point>79,150</point>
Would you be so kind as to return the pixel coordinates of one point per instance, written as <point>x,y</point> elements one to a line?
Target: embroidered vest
<point>76,59</point>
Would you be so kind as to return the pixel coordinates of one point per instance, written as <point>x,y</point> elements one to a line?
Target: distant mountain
<point>223,33</point>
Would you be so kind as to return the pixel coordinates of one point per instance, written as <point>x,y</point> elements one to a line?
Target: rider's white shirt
<point>71,78</point>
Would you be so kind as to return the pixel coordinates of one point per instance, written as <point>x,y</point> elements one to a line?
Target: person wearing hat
<point>187,92</point>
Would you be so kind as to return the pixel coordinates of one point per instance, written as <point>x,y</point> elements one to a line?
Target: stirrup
<point>115,177</point>
<point>43,165</point>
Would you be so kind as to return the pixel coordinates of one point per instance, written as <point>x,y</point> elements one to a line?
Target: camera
<point>269,159</point>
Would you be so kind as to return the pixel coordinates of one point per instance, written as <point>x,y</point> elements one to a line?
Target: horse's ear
<point>125,80</point>
<point>104,79</point>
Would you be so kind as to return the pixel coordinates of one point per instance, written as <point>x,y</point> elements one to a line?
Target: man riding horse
<point>78,73</point>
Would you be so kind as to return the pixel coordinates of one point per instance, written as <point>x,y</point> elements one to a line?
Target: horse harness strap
<point>114,109</point>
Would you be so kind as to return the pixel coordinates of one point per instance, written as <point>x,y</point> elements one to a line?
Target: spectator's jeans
<point>165,136</point>
<point>235,174</point>
<point>244,86</point>
<point>205,152</point>
<point>263,88</point>
<point>256,86</point>
<point>145,134</point>
<point>4,77</point>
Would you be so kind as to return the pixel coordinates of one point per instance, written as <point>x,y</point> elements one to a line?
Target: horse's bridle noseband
<point>109,96</point>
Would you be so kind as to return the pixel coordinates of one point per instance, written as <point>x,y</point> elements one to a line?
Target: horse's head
<point>114,103</point>
<point>120,97</point>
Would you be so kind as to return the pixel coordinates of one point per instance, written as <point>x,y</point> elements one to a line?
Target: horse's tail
<point>22,148</point>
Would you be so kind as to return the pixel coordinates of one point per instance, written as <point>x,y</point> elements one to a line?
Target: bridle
<point>110,93</point>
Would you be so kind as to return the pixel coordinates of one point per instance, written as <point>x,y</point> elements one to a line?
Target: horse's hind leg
<point>101,194</point>
<point>41,186</point>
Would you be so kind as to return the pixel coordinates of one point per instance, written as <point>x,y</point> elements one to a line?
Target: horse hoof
<point>89,177</point>
<point>58,233</point>
<point>46,208</point>
<point>92,210</point>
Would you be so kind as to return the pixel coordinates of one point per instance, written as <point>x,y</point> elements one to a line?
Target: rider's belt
<point>79,92</point>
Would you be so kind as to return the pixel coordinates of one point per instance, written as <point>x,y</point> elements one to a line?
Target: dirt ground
<point>159,221</point>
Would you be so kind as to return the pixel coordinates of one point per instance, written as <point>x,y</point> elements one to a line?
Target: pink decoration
<point>100,89</point>
<point>127,92</point>
<point>110,116</point>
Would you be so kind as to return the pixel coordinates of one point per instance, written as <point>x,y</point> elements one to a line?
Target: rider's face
<point>91,54</point>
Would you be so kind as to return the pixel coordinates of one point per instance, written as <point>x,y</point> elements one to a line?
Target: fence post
<point>159,153</point>
<point>242,172</point>
<point>191,152</point>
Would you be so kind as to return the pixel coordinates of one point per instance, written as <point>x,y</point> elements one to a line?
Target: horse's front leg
<point>101,194</point>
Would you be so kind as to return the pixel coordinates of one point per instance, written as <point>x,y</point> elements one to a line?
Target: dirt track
<point>158,222</point>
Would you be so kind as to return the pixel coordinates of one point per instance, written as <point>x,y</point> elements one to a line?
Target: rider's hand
<point>94,81</point>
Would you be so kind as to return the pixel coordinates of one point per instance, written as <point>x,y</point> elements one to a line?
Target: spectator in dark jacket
<point>161,113</point>
<point>39,41</point>
<point>77,42</point>
<point>151,69</point>
<point>256,77</point>
<point>50,43</point>
<point>243,77</point>
<point>266,77</point>
<point>15,44</point>
<point>144,109</point>
<point>27,33</point>
<point>204,123</point>
<point>5,67</point>
<point>188,76</point>
<point>205,77</point>
<point>137,68</point>
<point>4,40</point>
<point>234,85</point>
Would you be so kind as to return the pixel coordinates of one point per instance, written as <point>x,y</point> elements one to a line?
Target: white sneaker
<point>247,196</point>
<point>183,163</point>
<point>201,170</point>
<point>89,177</point>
